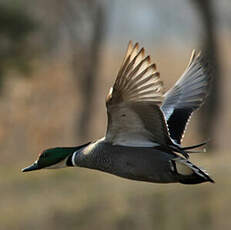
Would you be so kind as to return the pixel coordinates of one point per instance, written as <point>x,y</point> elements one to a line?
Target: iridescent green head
<point>58,157</point>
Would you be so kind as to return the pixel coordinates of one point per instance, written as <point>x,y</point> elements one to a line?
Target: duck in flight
<point>145,125</point>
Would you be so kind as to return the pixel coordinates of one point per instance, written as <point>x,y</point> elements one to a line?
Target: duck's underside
<point>142,164</point>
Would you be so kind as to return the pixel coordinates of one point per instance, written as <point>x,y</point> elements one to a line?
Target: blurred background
<point>58,60</point>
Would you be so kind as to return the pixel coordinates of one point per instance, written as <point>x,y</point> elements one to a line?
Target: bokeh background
<point>57,61</point>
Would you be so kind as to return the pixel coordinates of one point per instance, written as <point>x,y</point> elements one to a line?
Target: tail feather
<point>195,146</point>
<point>185,150</point>
<point>188,173</point>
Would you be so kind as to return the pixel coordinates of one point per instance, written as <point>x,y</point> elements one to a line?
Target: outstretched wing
<point>187,95</point>
<point>134,115</point>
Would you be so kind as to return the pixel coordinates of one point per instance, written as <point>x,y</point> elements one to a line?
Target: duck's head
<point>52,158</point>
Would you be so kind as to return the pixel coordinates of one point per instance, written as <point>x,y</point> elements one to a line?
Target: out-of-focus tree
<point>15,27</point>
<point>208,114</point>
<point>85,24</point>
<point>77,25</point>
